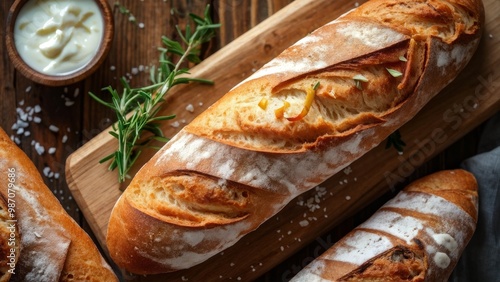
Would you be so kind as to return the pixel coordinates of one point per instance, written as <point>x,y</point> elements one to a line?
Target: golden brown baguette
<point>417,236</point>
<point>305,115</point>
<point>53,246</point>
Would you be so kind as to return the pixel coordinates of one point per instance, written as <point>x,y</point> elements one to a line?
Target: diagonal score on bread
<point>267,141</point>
<point>419,235</point>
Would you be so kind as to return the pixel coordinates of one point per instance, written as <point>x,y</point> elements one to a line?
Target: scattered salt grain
<point>51,150</point>
<point>348,197</point>
<point>304,223</point>
<point>175,124</point>
<point>37,120</point>
<point>64,139</point>
<point>39,148</point>
<point>53,128</point>
<point>347,170</point>
<point>112,68</point>
<point>190,108</point>
<point>28,89</point>
<point>46,171</point>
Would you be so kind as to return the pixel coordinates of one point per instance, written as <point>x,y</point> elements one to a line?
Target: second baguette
<point>417,236</point>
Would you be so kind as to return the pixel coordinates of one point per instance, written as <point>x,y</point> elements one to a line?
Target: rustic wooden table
<point>79,118</point>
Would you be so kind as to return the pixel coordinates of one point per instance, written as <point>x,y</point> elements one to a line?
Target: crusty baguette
<point>53,246</point>
<point>417,236</point>
<point>249,154</point>
<point>9,238</point>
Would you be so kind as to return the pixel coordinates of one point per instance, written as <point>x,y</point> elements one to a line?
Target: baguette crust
<point>417,236</point>
<point>238,163</point>
<point>53,246</point>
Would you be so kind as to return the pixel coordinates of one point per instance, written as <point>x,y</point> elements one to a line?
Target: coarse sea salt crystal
<point>46,171</point>
<point>190,108</point>
<point>53,128</point>
<point>347,170</point>
<point>39,148</point>
<point>304,223</point>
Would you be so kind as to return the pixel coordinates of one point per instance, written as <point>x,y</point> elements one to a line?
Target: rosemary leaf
<point>394,72</point>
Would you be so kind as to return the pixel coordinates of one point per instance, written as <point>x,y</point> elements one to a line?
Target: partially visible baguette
<point>304,116</point>
<point>417,236</point>
<point>53,246</point>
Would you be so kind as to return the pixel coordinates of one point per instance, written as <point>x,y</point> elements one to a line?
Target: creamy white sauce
<point>58,37</point>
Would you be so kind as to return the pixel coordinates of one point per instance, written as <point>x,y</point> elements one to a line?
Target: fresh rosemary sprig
<point>137,108</point>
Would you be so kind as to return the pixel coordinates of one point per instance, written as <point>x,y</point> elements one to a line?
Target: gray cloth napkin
<point>481,258</point>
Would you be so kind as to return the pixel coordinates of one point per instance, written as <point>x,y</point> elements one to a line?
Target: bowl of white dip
<point>54,42</point>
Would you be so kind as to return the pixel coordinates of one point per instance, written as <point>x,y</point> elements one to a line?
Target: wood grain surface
<point>252,32</point>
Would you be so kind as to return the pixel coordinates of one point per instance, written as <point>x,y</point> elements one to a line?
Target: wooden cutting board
<point>462,106</point>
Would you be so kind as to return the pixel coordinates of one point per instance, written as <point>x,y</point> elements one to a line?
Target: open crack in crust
<point>400,263</point>
<point>192,199</point>
<point>343,105</point>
